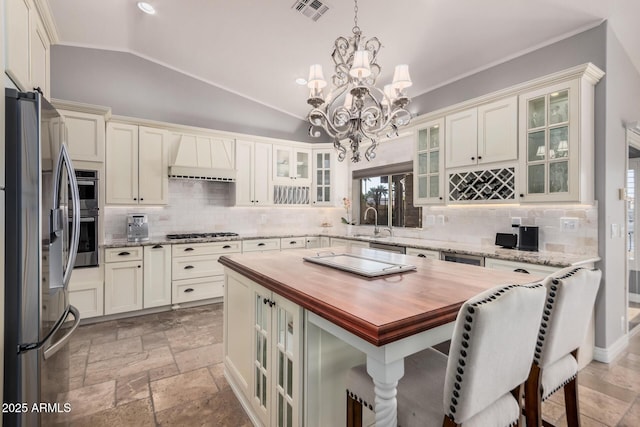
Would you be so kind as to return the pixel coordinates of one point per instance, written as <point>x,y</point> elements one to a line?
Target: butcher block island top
<point>381,309</point>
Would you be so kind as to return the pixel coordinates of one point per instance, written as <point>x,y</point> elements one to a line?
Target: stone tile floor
<point>166,370</point>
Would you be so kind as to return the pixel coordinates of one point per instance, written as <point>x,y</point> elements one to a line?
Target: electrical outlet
<point>569,224</point>
<point>440,219</point>
<point>263,218</point>
<point>431,220</point>
<point>516,220</point>
<point>615,231</point>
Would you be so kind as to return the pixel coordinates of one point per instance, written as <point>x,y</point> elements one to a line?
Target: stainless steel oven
<point>89,218</point>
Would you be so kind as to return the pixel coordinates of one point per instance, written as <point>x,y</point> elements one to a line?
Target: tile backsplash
<point>201,206</point>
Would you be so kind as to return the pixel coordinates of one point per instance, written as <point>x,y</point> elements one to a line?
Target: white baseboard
<point>607,355</point>
<point>634,297</point>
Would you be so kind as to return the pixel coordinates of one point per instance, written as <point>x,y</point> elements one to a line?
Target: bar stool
<point>480,383</point>
<point>571,294</point>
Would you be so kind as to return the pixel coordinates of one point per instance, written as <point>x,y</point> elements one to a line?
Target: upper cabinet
<point>291,165</point>
<point>483,134</point>
<point>429,164</point>
<point>85,135</point>
<point>27,46</point>
<point>253,183</point>
<point>323,177</point>
<point>136,165</point>
<point>556,143</point>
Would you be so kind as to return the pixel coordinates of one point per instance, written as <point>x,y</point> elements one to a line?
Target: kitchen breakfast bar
<point>293,328</point>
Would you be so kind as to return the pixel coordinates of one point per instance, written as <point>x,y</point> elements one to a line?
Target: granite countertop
<point>554,259</point>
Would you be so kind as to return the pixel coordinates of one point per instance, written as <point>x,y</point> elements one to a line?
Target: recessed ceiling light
<point>146,8</point>
<point>301,81</point>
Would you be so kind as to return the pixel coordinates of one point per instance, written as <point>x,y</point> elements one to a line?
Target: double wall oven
<point>89,216</point>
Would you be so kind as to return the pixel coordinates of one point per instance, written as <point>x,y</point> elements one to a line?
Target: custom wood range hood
<point>203,158</point>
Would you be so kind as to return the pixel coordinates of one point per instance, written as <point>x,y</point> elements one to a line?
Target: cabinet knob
<point>473,158</point>
<point>135,198</point>
<point>479,157</point>
<point>139,266</point>
<point>521,195</point>
<point>265,300</point>
<point>440,197</point>
<point>141,199</point>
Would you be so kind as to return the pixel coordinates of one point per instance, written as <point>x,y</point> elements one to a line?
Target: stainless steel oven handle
<point>62,341</point>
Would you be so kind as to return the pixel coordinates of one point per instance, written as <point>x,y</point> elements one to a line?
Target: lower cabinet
<point>423,253</point>
<point>293,242</point>
<point>348,243</point>
<point>123,280</point>
<point>157,276</point>
<point>521,267</point>
<point>263,351</point>
<point>196,273</point>
<point>261,245</point>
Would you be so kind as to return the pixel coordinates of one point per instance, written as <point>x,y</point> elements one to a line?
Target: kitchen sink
<point>371,236</point>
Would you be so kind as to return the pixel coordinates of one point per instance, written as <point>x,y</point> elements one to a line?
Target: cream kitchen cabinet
<point>556,143</point>
<point>428,167</point>
<point>293,242</point>
<point>260,245</point>
<point>27,54</point>
<point>196,273</point>
<point>291,165</point>
<point>335,241</point>
<point>323,178</point>
<point>484,134</point>
<point>84,135</point>
<point>156,276</point>
<point>254,186</point>
<point>136,165</point>
<point>263,351</point>
<point>123,279</point>
<point>86,291</point>
<point>423,253</point>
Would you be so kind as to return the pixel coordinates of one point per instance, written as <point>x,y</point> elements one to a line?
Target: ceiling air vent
<point>313,9</point>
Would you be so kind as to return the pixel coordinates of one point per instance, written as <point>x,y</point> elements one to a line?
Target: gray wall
<point>621,105</point>
<point>135,87</point>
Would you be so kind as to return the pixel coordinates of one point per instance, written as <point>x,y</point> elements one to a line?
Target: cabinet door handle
<point>141,199</point>
<point>521,270</point>
<point>188,267</point>
<point>157,247</point>
<point>266,301</point>
<point>135,198</point>
<point>125,253</point>
<point>473,158</point>
<point>521,195</point>
<point>479,157</point>
<point>422,255</point>
<point>293,242</point>
<point>272,303</point>
<point>188,249</point>
<point>226,247</point>
<point>188,290</point>
<point>139,266</point>
<point>261,244</point>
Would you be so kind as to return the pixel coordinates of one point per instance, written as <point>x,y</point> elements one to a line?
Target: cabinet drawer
<point>293,242</point>
<point>197,289</point>
<point>196,266</point>
<point>189,249</point>
<point>260,245</point>
<point>133,253</point>
<point>423,253</point>
<point>521,267</point>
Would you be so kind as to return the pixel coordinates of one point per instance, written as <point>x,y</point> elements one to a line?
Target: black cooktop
<point>199,235</point>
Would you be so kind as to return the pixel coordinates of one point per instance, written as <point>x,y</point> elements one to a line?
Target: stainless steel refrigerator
<point>41,243</point>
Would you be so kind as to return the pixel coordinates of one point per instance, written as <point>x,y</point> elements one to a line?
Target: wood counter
<point>379,310</point>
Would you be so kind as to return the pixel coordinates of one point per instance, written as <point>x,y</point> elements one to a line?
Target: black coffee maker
<point>528,238</point>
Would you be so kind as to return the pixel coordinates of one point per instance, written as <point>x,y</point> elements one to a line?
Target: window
<point>389,191</point>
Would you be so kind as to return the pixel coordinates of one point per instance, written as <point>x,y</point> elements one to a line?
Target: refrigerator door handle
<point>75,220</point>
<point>53,349</point>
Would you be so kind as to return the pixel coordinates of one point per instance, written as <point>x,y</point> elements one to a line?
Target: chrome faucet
<point>390,230</point>
<point>376,230</point>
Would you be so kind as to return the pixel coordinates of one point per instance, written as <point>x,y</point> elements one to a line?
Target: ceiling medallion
<point>355,110</point>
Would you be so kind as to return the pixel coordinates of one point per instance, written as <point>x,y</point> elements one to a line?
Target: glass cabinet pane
<point>537,113</point>
<point>302,165</point>
<point>559,177</point>
<point>558,142</point>
<point>422,187</point>
<point>535,179</point>
<point>559,107</point>
<point>434,186</point>
<point>422,139</point>
<point>327,194</point>
<point>434,140</point>
<point>434,161</point>
<point>535,147</point>
<point>422,163</point>
<point>282,163</point>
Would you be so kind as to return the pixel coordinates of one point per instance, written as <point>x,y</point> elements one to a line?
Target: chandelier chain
<point>355,29</point>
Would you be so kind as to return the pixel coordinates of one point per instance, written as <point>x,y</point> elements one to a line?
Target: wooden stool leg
<point>354,412</point>
<point>448,422</point>
<point>533,398</point>
<point>571,403</point>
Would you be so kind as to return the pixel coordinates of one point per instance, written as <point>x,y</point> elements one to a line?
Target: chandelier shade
<point>355,110</point>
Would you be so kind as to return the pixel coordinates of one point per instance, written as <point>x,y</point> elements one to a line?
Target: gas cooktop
<point>199,235</point>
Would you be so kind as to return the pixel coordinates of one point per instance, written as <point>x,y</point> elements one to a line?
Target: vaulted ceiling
<point>258,48</point>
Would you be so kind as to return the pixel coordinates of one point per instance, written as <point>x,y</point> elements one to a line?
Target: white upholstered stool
<point>480,383</point>
<point>571,294</point>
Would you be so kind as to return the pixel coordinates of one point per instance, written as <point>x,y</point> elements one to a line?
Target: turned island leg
<point>385,379</point>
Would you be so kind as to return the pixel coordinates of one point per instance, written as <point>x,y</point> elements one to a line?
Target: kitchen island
<point>276,302</point>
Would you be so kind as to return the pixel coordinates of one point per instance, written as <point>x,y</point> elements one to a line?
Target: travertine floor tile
<point>127,365</point>
<point>163,372</point>
<point>632,417</point>
<point>181,389</point>
<point>199,357</point>
<point>138,413</point>
<point>115,349</point>
<point>134,387</point>
<point>89,400</point>
<point>223,410</point>
<point>154,340</point>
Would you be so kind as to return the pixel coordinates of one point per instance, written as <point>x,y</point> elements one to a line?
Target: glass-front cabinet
<point>550,147</point>
<point>322,177</point>
<point>429,164</point>
<point>292,166</point>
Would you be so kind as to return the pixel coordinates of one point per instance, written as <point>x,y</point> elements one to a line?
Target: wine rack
<point>488,184</point>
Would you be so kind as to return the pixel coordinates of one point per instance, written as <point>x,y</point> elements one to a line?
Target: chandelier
<point>355,109</point>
